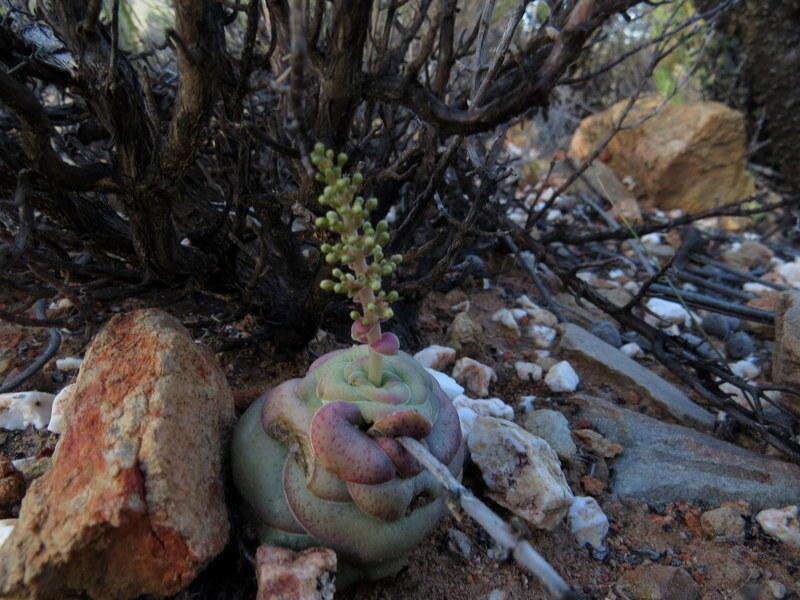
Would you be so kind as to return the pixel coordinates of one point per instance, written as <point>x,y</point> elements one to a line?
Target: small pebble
<point>485,407</point>
<point>745,369</point>
<point>782,524</point>
<point>717,325</point>
<point>739,345</point>
<point>632,350</point>
<point>475,376</point>
<point>449,385</point>
<point>543,336</point>
<point>562,378</point>
<point>436,357</point>
<point>528,371</point>
<point>608,332</point>
<point>671,312</point>
<point>68,364</point>
<point>459,543</point>
<point>527,403</point>
<point>587,522</point>
<point>506,318</point>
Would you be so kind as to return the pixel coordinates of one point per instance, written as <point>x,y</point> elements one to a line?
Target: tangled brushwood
<point>182,168</point>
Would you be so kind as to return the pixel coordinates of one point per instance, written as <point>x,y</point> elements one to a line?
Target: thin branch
<point>501,532</point>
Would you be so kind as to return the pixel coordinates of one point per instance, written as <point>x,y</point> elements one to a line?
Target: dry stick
<point>52,347</point>
<point>501,532</point>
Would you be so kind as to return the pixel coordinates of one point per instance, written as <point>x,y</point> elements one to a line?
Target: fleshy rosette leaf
<point>346,482</point>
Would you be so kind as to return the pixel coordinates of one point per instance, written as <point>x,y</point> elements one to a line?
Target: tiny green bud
<point>372,307</point>
<point>375,284</point>
<point>321,222</point>
<point>329,154</point>
<point>354,315</point>
<point>388,313</point>
<point>319,148</point>
<point>382,238</point>
<point>382,226</point>
<point>330,258</point>
<point>392,296</point>
<point>397,258</point>
<point>326,284</point>
<point>325,248</point>
<point>338,288</point>
<point>372,204</point>
<point>337,273</point>
<point>341,159</point>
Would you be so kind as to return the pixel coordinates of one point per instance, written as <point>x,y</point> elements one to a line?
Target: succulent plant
<point>316,459</point>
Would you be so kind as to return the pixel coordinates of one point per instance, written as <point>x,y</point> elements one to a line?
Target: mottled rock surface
<point>133,503</point>
<point>287,575</point>
<point>670,463</point>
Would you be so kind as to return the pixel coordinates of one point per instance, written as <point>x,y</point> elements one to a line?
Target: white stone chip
<point>58,423</point>
<point>745,369</point>
<point>528,371</point>
<point>485,407</point>
<point>69,363</point>
<point>6,527</point>
<point>632,350</point>
<point>562,378</point>
<point>449,386</point>
<point>671,312</point>
<point>436,357</point>
<point>506,318</point>
<point>588,522</point>
<point>19,410</point>
<point>543,336</point>
<point>782,524</point>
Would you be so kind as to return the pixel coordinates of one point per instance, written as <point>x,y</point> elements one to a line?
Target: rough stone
<point>786,352</point>
<point>521,470</point>
<point>717,325</point>
<point>553,427</point>
<point>689,156</point>
<point>543,336</point>
<point>486,407</point>
<point>475,376</point>
<point>458,543</point>
<point>613,367</point>
<point>668,312</point>
<point>436,357</point>
<point>723,524</point>
<point>561,377</point>
<point>134,501</point>
<point>464,331</point>
<point>287,575</point>
<point>12,487</point>
<point>6,527</point>
<point>658,582</point>
<point>449,385</point>
<point>597,444</point>
<point>670,463</point>
<point>58,423</point>
<point>506,318</point>
<point>20,410</point>
<point>748,255</point>
<point>632,350</point>
<point>607,332</point>
<point>587,522</point>
<point>528,371</point>
<point>782,524</point>
<point>739,345</point>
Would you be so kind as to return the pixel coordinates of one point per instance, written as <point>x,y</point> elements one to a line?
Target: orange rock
<point>133,503</point>
<point>688,156</point>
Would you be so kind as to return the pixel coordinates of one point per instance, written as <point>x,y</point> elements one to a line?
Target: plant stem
<point>375,368</point>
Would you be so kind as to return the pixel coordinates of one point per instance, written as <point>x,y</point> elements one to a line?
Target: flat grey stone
<point>661,462</point>
<point>613,366</point>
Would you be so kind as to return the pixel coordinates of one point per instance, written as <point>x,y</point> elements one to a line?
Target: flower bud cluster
<point>360,245</point>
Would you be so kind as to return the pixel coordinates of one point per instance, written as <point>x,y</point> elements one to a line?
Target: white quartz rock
<point>528,371</point>
<point>588,522</point>
<point>6,527</point>
<point>522,471</point>
<point>562,378</point>
<point>19,410</point>
<point>58,423</point>
<point>436,357</point>
<point>543,336</point>
<point>782,524</point>
<point>632,350</point>
<point>485,407</point>
<point>449,386</point>
<point>667,311</point>
<point>506,318</point>
<point>69,364</point>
